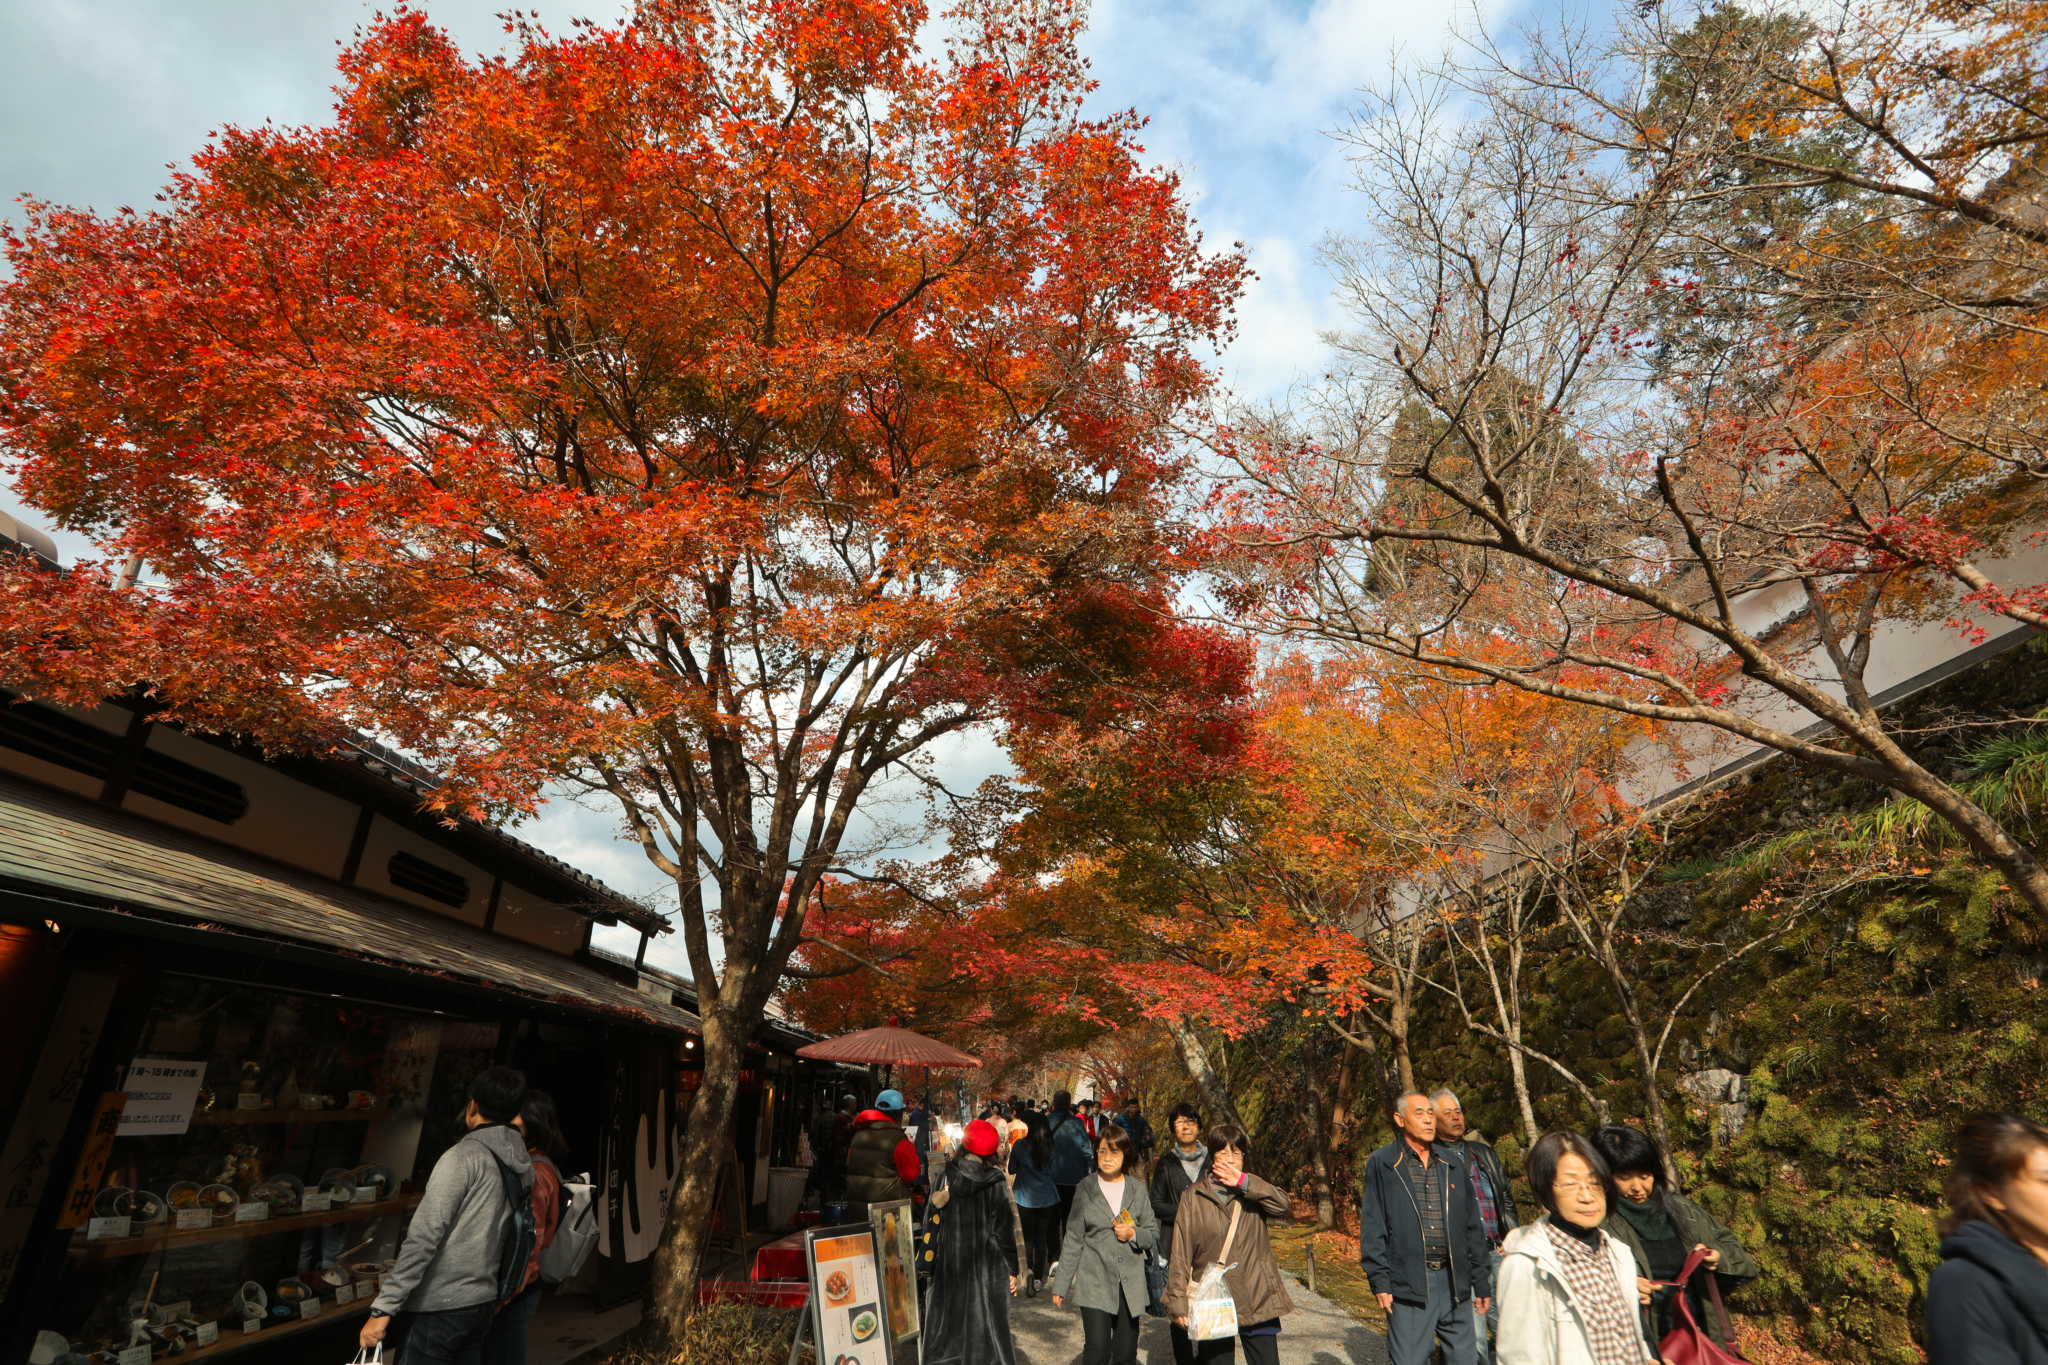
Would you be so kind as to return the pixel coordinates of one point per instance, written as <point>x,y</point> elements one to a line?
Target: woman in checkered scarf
<point>1567,1290</point>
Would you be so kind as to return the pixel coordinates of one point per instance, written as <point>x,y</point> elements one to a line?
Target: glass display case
<point>254,1176</point>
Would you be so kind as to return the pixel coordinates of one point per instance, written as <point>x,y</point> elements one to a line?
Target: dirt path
<point>1317,1332</point>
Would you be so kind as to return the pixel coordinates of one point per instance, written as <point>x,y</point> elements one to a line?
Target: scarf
<point>1652,1222</point>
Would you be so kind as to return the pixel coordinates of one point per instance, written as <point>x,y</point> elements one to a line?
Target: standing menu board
<point>894,1225</point>
<point>846,1291</point>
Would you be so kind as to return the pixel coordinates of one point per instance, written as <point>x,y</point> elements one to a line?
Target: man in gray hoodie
<point>443,1292</point>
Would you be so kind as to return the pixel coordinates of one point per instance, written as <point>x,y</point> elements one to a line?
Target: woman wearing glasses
<point>1567,1290</point>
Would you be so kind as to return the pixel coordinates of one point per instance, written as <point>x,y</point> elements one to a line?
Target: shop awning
<point>76,851</point>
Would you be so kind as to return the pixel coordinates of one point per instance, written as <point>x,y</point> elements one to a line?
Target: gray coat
<point>1094,1265</point>
<point>455,1245</point>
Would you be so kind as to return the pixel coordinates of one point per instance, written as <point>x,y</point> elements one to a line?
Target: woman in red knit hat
<point>976,1257</point>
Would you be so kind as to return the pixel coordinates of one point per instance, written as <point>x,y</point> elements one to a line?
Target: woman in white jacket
<point>1567,1290</point>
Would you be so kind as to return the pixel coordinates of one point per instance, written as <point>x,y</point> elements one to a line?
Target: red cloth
<point>781,1260</point>
<point>907,1164</point>
<point>547,1213</point>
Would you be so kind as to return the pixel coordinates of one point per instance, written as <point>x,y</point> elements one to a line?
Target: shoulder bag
<point>1212,1312</point>
<point>1687,1343</point>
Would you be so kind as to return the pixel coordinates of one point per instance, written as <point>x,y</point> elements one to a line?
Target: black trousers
<point>1257,1350</point>
<point>1066,1207</point>
<point>1109,1338</point>
<point>1041,1238</point>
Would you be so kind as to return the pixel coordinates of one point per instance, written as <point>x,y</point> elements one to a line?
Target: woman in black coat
<point>1987,1303</point>
<point>977,1257</point>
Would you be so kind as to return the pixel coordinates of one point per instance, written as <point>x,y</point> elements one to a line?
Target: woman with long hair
<point>1102,1260</point>
<point>1567,1290</point>
<point>1222,1221</point>
<point>978,1257</point>
<point>542,1126</point>
<point>1038,1199</point>
<point>1662,1228</point>
<point>1987,1303</point>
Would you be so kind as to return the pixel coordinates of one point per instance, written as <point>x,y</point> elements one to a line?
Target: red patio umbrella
<point>887,1046</point>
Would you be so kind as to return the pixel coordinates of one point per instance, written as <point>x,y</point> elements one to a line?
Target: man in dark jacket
<point>1420,1242</point>
<point>1185,1163</point>
<point>881,1162</point>
<point>1489,1190</point>
<point>1073,1153</point>
<point>1141,1132</point>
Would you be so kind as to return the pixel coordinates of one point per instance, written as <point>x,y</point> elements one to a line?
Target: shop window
<point>422,878</point>
<point>177,783</point>
<point>48,734</point>
<point>267,1144</point>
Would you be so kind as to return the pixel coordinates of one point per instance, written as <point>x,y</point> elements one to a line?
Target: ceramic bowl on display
<point>380,1178</point>
<point>277,1195</point>
<point>339,1189</point>
<point>251,1301</point>
<point>365,1270</point>
<point>293,1291</point>
<point>331,1278</point>
<point>220,1201</point>
<point>183,1195</point>
<point>290,1182</point>
<point>148,1314</point>
<point>361,1099</point>
<point>115,1201</point>
<point>147,1206</point>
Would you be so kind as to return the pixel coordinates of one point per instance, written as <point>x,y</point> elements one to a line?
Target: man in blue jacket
<point>1421,1244</point>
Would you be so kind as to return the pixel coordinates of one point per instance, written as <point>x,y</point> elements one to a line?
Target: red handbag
<point>1687,1343</point>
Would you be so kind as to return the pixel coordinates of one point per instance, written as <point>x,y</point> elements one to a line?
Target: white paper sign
<point>134,1355</point>
<point>256,1212</point>
<point>251,1101</point>
<point>251,1326</point>
<point>345,1294</point>
<point>161,1095</point>
<point>189,1219</point>
<point>310,1202</point>
<point>99,1229</point>
<point>309,1308</point>
<point>365,1194</point>
<point>209,1333</point>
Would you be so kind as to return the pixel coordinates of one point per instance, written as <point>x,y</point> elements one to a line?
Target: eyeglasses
<point>1575,1187</point>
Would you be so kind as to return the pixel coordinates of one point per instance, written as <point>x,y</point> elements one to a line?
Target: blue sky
<point>96,96</point>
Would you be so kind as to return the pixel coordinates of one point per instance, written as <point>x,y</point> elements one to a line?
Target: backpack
<point>519,1236</point>
<point>575,1233</point>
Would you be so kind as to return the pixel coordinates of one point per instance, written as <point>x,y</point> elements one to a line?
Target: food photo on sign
<point>846,1282</point>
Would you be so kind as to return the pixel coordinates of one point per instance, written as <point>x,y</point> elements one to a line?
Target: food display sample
<point>275,1196</point>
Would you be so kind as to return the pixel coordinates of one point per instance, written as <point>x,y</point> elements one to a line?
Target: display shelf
<point>244,1116</point>
<point>235,1341</point>
<point>167,1236</point>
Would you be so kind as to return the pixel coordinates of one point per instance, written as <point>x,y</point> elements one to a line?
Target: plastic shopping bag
<point>1212,1313</point>
<point>364,1356</point>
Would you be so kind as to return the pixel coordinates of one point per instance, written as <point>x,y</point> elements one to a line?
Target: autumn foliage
<point>705,413</point>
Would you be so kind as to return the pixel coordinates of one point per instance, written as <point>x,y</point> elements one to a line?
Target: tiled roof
<point>76,850</point>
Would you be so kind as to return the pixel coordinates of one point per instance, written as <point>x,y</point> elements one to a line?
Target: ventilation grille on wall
<point>54,737</point>
<point>177,783</point>
<point>422,878</point>
<point>48,734</point>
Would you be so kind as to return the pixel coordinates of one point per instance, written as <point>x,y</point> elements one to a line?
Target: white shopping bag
<point>1212,1312</point>
<point>370,1356</point>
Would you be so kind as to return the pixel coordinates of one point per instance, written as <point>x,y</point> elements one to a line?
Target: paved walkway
<point>1317,1332</point>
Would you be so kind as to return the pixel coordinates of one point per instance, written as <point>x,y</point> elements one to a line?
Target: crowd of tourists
<point>1068,1200</point>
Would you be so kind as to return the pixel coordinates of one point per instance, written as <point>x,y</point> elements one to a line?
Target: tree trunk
<point>1215,1095</point>
<point>1653,1099</point>
<point>679,1259</point>
<point>1404,1064</point>
<point>1318,1148</point>
<point>1343,1097</point>
<point>1518,1072</point>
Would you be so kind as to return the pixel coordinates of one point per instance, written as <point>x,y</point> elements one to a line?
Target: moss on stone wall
<point>1867,1033</point>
